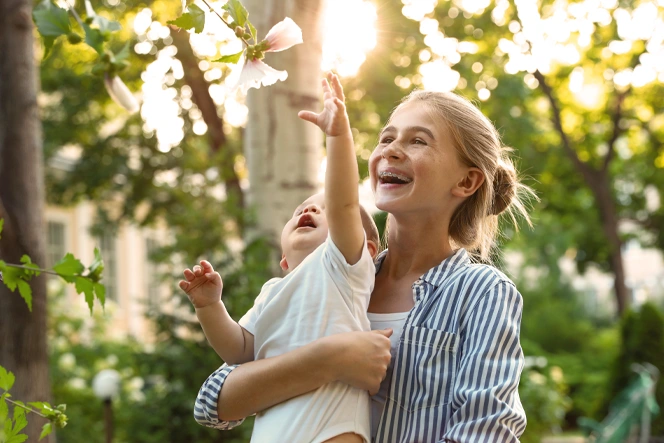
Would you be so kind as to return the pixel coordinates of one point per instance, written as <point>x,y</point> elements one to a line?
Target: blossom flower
<point>255,72</point>
<point>283,35</point>
<point>120,93</point>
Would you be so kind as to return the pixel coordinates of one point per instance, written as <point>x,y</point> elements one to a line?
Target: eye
<point>419,141</point>
<point>386,140</point>
<point>297,212</point>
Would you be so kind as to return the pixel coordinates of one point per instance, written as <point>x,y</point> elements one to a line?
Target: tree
<point>23,349</point>
<point>282,151</point>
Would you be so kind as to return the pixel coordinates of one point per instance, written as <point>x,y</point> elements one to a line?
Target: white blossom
<point>120,93</point>
<point>283,35</point>
<point>256,73</point>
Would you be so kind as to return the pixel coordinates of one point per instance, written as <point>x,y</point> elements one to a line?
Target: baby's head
<point>307,229</point>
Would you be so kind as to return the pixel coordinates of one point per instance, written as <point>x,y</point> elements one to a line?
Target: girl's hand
<point>203,285</point>
<point>333,120</point>
<point>362,358</point>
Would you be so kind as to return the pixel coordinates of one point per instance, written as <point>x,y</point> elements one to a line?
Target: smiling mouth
<point>306,221</point>
<point>393,178</point>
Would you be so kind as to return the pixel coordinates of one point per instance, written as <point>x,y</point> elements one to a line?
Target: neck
<point>420,243</point>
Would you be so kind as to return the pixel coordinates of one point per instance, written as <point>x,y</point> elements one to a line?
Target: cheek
<point>373,161</point>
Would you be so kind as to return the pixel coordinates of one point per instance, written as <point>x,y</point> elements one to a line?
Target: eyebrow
<point>410,129</point>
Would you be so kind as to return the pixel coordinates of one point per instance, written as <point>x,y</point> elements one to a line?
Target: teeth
<point>385,174</point>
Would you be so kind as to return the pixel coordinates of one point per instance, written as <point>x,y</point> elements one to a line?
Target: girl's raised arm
<point>359,359</point>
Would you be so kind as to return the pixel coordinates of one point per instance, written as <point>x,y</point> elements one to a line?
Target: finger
<point>207,267</point>
<point>214,277</point>
<point>198,271</point>
<point>338,90</point>
<point>374,391</point>
<point>386,332</point>
<point>340,104</point>
<point>183,285</point>
<point>327,90</point>
<point>308,116</point>
<point>189,275</point>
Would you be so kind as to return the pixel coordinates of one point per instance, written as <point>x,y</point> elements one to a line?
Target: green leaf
<point>27,261</point>
<point>10,275</point>
<point>18,439</point>
<point>2,223</point>
<point>69,267</point>
<point>195,18</point>
<point>100,291</point>
<point>20,421</point>
<point>26,292</point>
<point>4,409</point>
<point>237,11</point>
<point>122,55</point>
<point>48,45</point>
<point>52,21</point>
<point>6,379</point>
<point>47,429</point>
<point>96,268</point>
<point>253,32</point>
<point>106,25</point>
<point>86,286</point>
<point>231,58</point>
<point>94,38</point>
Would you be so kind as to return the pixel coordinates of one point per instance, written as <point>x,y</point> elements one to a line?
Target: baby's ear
<point>283,263</point>
<point>373,248</point>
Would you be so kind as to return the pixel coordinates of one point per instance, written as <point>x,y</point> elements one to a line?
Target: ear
<point>469,183</point>
<point>283,263</point>
<point>372,247</point>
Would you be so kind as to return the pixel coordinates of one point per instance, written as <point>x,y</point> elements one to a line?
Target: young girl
<point>441,173</point>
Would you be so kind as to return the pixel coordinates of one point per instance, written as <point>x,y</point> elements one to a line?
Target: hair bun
<point>504,187</point>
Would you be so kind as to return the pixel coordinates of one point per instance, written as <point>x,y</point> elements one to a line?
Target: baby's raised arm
<point>230,341</point>
<point>342,203</point>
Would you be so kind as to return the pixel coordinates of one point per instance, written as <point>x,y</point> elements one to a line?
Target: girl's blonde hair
<point>474,224</point>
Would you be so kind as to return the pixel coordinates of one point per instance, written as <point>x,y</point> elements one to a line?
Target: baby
<point>328,248</point>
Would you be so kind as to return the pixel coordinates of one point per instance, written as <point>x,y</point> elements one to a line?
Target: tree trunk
<point>601,187</point>
<point>23,333</point>
<point>283,152</point>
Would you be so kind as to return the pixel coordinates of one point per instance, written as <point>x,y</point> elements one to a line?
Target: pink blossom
<point>255,72</point>
<point>283,35</point>
<point>120,93</point>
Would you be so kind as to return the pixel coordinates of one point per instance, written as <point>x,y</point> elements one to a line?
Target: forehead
<point>415,113</point>
<point>318,199</point>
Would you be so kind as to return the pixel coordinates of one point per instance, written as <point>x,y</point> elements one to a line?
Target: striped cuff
<point>205,408</point>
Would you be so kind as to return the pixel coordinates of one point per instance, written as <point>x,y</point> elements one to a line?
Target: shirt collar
<point>436,275</point>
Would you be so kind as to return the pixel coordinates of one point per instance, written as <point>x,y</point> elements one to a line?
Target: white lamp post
<point>106,385</point>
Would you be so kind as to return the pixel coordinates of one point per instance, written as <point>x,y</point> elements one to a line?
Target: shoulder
<point>481,283</point>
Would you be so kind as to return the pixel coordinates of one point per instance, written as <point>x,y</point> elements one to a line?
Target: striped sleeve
<point>486,398</point>
<point>205,408</point>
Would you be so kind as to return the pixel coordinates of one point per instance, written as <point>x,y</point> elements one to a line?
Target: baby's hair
<point>369,226</point>
<point>474,224</point>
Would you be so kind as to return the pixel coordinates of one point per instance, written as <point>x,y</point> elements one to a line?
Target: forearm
<point>258,385</point>
<point>223,333</point>
<point>341,175</point>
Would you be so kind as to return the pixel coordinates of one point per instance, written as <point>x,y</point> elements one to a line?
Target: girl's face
<point>415,167</point>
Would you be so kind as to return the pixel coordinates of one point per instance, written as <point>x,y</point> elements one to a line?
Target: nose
<point>392,151</point>
<point>311,208</point>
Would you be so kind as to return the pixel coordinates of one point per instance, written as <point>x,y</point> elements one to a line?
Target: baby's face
<point>307,229</point>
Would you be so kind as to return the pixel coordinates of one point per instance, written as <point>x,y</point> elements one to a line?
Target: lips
<point>393,177</point>
<point>306,221</point>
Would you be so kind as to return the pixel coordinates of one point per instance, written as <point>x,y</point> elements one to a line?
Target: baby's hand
<point>333,120</point>
<point>203,285</point>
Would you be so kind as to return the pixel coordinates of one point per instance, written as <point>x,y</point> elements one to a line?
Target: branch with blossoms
<point>234,15</point>
<point>54,22</point>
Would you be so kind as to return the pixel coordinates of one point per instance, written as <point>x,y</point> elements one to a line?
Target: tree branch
<point>587,171</point>
<point>615,121</point>
<point>200,88</point>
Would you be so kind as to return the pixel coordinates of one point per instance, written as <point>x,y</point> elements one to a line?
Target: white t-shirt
<point>384,321</point>
<point>322,296</point>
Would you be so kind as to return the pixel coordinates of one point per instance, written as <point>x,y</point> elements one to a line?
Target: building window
<point>152,273</point>
<point>110,274</point>
<point>55,243</point>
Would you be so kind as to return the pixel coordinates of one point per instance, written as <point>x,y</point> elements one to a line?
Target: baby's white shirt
<point>322,296</point>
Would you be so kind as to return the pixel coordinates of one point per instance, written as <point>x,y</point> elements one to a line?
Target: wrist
<point>328,357</point>
<point>209,306</point>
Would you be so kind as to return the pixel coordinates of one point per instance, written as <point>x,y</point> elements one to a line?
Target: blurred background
<point>576,88</point>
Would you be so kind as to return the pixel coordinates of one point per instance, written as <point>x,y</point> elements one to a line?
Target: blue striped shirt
<point>458,363</point>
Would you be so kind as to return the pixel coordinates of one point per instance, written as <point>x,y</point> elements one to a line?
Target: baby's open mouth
<point>393,178</point>
<point>306,221</point>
